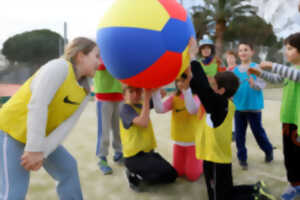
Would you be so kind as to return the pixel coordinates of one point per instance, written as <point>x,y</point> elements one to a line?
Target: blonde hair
<point>80,44</point>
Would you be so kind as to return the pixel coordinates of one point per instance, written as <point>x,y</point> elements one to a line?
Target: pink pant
<point>186,163</point>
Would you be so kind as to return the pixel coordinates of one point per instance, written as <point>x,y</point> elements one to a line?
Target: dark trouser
<point>219,183</point>
<point>151,167</point>
<point>291,150</point>
<point>241,120</point>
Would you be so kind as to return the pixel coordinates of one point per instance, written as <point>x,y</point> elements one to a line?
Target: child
<point>183,126</point>
<point>290,109</point>
<point>36,120</point>
<point>108,92</point>
<point>230,57</point>
<point>142,163</point>
<point>213,137</point>
<point>210,63</point>
<point>249,102</point>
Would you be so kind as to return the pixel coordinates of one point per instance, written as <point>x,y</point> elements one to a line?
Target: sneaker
<point>104,167</point>
<point>118,157</point>
<point>260,184</point>
<point>133,180</point>
<point>262,192</point>
<point>269,158</point>
<point>290,193</point>
<point>244,164</point>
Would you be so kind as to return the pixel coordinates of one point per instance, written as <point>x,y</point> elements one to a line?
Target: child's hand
<point>251,81</point>
<point>193,48</point>
<point>32,160</point>
<point>163,92</point>
<point>186,84</point>
<point>147,93</point>
<point>265,65</point>
<point>254,71</point>
<point>189,73</point>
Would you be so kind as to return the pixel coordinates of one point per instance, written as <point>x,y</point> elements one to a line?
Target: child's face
<point>292,54</point>
<point>133,95</point>
<point>230,59</point>
<point>180,83</point>
<point>245,52</point>
<point>205,51</point>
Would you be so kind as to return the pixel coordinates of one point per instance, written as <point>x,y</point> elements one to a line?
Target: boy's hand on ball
<point>147,93</point>
<point>193,48</point>
<point>32,160</point>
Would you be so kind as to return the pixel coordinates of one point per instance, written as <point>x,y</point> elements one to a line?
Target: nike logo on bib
<point>179,110</point>
<point>67,100</point>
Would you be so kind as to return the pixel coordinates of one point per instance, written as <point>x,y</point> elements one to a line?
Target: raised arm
<point>144,117</point>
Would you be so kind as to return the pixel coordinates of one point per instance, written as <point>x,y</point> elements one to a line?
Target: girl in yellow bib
<point>184,123</point>
<point>36,120</point>
<point>138,142</point>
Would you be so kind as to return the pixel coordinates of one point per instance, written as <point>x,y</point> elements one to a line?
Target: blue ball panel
<point>190,26</point>
<point>176,35</point>
<point>134,48</point>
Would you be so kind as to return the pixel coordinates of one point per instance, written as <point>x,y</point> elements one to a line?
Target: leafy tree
<point>34,47</point>
<point>257,31</point>
<point>221,13</point>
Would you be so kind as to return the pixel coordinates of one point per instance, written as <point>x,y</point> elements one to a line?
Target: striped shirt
<point>280,72</point>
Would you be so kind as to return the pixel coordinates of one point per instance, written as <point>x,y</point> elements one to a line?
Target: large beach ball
<point>144,43</point>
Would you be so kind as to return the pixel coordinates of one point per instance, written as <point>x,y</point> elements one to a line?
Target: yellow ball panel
<point>147,14</point>
<point>185,61</point>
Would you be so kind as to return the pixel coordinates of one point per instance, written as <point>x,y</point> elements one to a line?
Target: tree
<point>257,31</point>
<point>221,13</point>
<point>34,47</point>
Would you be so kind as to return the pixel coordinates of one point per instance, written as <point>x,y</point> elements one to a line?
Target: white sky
<point>82,17</point>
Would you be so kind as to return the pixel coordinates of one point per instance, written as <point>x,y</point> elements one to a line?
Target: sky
<point>82,17</point>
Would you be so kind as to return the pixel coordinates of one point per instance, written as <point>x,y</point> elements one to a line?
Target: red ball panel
<point>169,64</point>
<point>174,9</point>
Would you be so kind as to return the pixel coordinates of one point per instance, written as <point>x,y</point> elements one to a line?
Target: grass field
<point>82,142</point>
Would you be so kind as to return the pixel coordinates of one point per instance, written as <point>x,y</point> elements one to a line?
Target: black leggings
<point>153,168</point>
<point>291,151</point>
<point>219,183</point>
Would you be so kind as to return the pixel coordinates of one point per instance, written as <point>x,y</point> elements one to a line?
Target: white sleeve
<point>43,88</point>
<point>189,101</point>
<point>157,102</point>
<point>259,84</point>
<point>62,131</point>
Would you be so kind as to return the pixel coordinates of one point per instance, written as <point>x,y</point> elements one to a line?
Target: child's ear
<point>222,91</point>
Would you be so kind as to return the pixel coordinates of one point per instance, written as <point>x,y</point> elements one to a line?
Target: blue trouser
<point>241,122</point>
<point>14,179</point>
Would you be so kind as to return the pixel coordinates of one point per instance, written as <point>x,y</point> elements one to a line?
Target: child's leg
<point>99,120</point>
<point>291,150</point>
<point>14,179</point>
<point>161,171</point>
<point>193,166</point>
<point>259,133</point>
<point>240,122</point>
<point>63,168</point>
<point>152,168</point>
<point>218,178</point>
<point>209,178</point>
<point>106,113</point>
<point>179,159</point>
<point>116,143</point>
<point>223,181</point>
